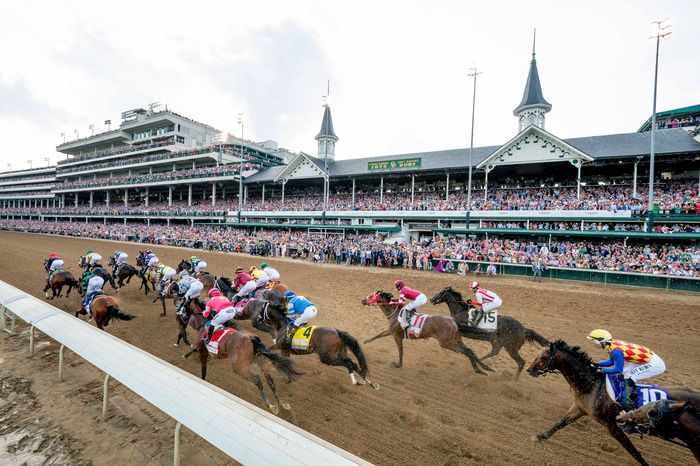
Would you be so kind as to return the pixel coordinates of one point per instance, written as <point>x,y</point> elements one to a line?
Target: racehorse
<point>260,313</point>
<point>96,270</point>
<point>103,309</point>
<point>141,264</point>
<point>125,273</point>
<point>226,286</point>
<point>443,329</point>
<point>667,420</point>
<point>57,281</point>
<point>243,348</point>
<point>167,292</point>
<point>329,343</point>
<point>509,334</point>
<point>590,396</point>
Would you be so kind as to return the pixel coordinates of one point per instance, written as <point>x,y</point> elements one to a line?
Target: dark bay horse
<point>243,349</point>
<point>259,312</point>
<point>104,309</point>
<point>667,420</point>
<point>58,280</point>
<point>443,329</point>
<point>207,279</point>
<point>331,345</point>
<point>96,270</point>
<point>126,272</point>
<point>590,396</point>
<point>167,292</point>
<point>226,286</point>
<point>141,264</point>
<point>509,334</point>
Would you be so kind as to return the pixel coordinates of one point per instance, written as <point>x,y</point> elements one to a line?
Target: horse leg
<point>459,348</point>
<point>399,345</point>
<point>383,334</point>
<point>162,301</point>
<point>571,415</point>
<point>330,360</point>
<point>513,353</point>
<point>495,349</point>
<point>620,436</point>
<point>46,289</point>
<point>70,288</point>
<point>60,290</point>
<point>203,359</point>
<point>258,383</point>
<point>271,383</point>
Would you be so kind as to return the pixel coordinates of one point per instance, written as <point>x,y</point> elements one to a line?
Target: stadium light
<point>63,135</point>
<point>48,163</point>
<point>240,171</point>
<point>30,162</point>
<point>77,134</point>
<point>659,29</point>
<point>473,73</point>
<point>92,129</point>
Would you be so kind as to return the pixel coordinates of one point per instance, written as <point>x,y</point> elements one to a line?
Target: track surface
<point>434,410</point>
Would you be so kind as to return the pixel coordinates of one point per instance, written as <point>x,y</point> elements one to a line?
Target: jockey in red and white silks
<point>418,299</point>
<point>219,310</point>
<point>485,299</point>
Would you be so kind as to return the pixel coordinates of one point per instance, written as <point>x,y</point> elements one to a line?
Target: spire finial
<point>534,39</point>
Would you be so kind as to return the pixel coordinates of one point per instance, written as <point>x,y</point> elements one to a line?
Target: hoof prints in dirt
<point>24,437</point>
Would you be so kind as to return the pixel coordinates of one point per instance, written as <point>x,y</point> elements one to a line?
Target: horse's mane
<point>227,281</point>
<point>276,312</point>
<point>454,292</point>
<point>575,351</point>
<point>385,295</point>
<point>584,377</point>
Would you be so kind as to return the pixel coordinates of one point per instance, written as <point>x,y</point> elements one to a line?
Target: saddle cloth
<point>615,386</point>
<point>302,337</point>
<point>213,345</point>
<point>489,321</point>
<point>88,299</point>
<point>241,304</point>
<point>415,326</point>
<point>258,294</point>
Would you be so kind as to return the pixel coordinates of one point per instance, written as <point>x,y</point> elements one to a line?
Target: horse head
<point>580,369</point>
<point>650,416</point>
<point>183,265</point>
<point>444,294</point>
<point>82,262</point>
<point>111,261</point>
<point>377,299</point>
<point>273,297</point>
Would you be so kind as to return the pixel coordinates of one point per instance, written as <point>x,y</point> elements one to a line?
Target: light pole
<point>77,134</point>
<point>30,162</point>
<point>659,30</point>
<point>92,130</point>
<point>63,135</point>
<point>47,160</point>
<point>473,73</point>
<point>240,171</point>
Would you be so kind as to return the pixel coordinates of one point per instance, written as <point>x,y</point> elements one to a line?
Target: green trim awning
<point>572,233</point>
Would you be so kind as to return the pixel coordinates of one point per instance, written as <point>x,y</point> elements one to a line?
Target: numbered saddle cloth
<point>213,345</point>
<point>88,299</point>
<point>616,387</point>
<point>415,326</point>
<point>258,294</point>
<point>488,321</point>
<point>302,338</point>
<point>240,305</point>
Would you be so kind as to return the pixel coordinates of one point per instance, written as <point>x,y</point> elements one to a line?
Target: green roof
<point>682,111</point>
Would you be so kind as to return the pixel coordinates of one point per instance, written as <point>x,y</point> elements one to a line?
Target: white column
<point>189,196</point>
<point>245,194</point>
<point>284,183</point>
<point>63,200</point>
<point>126,199</point>
<point>147,195</point>
<point>107,198</point>
<point>381,190</point>
<point>486,185</point>
<point>578,182</point>
<point>92,193</point>
<point>413,186</point>
<point>447,188</point>
<point>634,179</point>
<point>263,194</point>
<point>353,193</point>
<point>213,193</point>
<point>170,196</point>
<point>76,199</point>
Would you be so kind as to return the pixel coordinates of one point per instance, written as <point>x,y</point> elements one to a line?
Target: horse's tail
<point>284,365</point>
<point>116,313</point>
<point>354,346</point>
<point>531,335</point>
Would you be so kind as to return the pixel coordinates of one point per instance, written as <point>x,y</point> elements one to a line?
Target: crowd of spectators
<point>25,178</point>
<point>445,253</point>
<point>590,226</point>
<point>120,150</point>
<point>20,186</point>
<point>678,122</point>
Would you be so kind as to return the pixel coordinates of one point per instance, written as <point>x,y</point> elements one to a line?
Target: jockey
<point>54,263</point>
<point>92,259</point>
<point>197,266</point>
<point>246,283</point>
<point>300,310</point>
<point>190,287</point>
<point>166,274</point>
<point>485,299</point>
<point>119,259</point>
<point>272,274</point>
<point>95,285</point>
<point>219,310</point>
<point>260,277</point>
<point>634,362</point>
<point>418,299</point>
<point>152,261</point>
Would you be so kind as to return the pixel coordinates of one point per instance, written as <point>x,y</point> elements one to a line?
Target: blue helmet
<point>289,294</point>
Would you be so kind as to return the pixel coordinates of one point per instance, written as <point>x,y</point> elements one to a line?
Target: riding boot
<point>210,333</point>
<point>630,395</point>
<point>290,333</point>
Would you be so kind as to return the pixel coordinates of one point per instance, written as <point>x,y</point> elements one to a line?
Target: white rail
<point>244,432</point>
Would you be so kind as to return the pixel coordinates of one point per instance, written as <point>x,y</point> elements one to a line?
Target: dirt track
<point>435,410</point>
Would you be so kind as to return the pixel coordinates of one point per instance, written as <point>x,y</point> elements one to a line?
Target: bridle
<point>654,423</point>
<point>548,367</point>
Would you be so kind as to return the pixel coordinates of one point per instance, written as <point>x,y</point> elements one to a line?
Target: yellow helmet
<point>252,269</point>
<point>600,335</point>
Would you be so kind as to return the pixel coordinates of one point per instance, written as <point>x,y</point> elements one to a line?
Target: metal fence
<point>244,432</point>
<point>605,277</point>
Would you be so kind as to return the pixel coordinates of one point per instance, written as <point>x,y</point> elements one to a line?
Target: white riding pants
<point>309,313</point>
<point>55,265</point>
<point>199,268</point>
<point>223,316</point>
<point>495,304</point>
<point>194,290</point>
<point>95,284</point>
<point>246,289</point>
<point>654,367</point>
<point>153,262</point>
<point>95,259</point>
<point>262,281</point>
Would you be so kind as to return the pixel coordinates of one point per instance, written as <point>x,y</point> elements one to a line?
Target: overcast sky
<point>398,70</point>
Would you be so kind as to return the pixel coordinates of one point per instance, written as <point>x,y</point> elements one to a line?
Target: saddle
<point>615,386</point>
<point>88,299</point>
<point>415,325</point>
<point>213,345</point>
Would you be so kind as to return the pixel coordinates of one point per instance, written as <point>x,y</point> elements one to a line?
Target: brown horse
<point>243,349</point>
<point>588,387</point>
<point>104,309</point>
<point>226,287</point>
<point>57,281</point>
<point>329,343</point>
<point>443,329</point>
<point>667,420</point>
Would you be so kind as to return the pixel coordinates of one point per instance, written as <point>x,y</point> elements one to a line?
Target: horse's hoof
<point>274,409</point>
<point>286,406</point>
<point>536,438</point>
<point>274,341</point>
<point>397,365</point>
<point>361,381</point>
<point>176,345</point>
<point>374,385</point>
<point>192,346</point>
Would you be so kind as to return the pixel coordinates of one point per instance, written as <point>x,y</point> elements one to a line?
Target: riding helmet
<point>474,285</point>
<point>214,292</point>
<point>289,294</point>
<point>601,335</point>
<point>263,265</point>
<point>399,284</point>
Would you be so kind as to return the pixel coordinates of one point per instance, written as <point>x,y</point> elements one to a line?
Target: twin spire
<point>533,106</point>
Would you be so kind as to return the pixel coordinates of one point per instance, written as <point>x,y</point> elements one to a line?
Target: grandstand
<point>160,168</point>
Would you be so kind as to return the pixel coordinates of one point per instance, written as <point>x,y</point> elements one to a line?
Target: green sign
<point>394,164</point>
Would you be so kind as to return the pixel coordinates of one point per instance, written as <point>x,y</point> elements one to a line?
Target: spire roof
<point>327,125</point>
<point>532,97</point>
